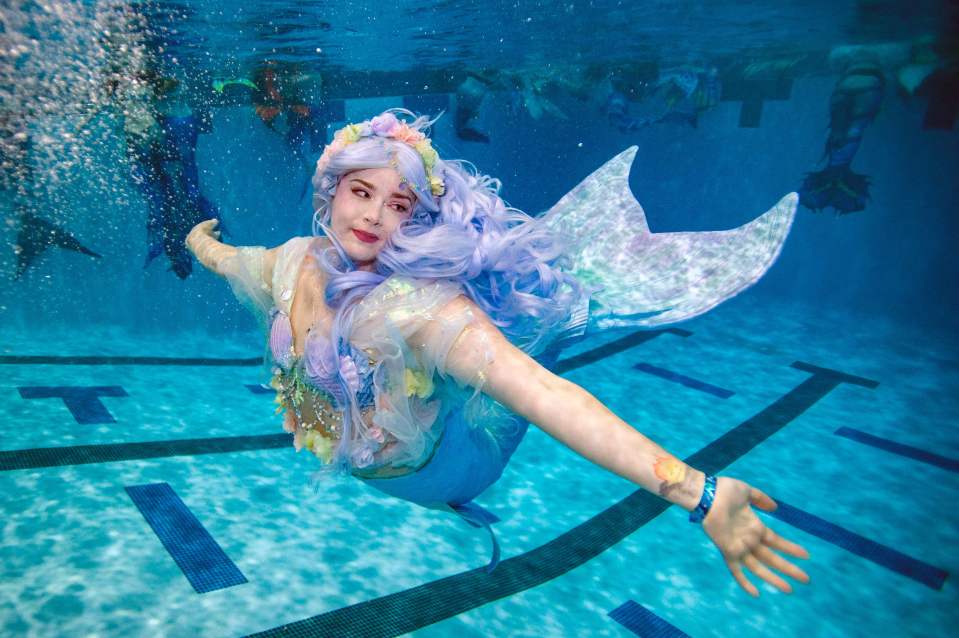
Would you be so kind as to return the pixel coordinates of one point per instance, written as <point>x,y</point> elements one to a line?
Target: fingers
<point>776,561</point>
<point>761,500</point>
<point>766,574</point>
<point>740,577</point>
<point>777,542</point>
<point>207,227</point>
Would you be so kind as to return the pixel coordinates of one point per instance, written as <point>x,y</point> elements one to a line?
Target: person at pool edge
<point>410,342</point>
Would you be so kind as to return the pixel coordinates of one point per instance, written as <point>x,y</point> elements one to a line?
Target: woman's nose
<point>373,212</point>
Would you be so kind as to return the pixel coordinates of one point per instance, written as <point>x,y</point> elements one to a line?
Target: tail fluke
<point>837,187</point>
<point>646,279</point>
<point>37,234</point>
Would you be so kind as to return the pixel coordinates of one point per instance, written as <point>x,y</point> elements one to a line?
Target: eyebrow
<point>373,188</point>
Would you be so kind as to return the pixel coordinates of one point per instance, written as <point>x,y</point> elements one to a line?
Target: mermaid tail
<point>647,279</point>
<point>37,234</point>
<point>853,105</point>
<point>837,186</point>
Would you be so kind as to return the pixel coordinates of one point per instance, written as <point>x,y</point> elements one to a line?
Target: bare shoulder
<point>271,254</point>
<point>478,328</point>
<point>482,356</point>
<point>309,270</point>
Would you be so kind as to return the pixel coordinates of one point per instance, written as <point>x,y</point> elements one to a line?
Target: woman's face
<point>368,206</point>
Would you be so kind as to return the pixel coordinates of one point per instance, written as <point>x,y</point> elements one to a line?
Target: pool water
<point>147,487</point>
<point>79,558</point>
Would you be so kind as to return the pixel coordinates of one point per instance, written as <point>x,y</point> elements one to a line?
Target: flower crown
<point>388,126</point>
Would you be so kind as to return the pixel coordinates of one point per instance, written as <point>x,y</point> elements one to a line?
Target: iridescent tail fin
<point>648,279</point>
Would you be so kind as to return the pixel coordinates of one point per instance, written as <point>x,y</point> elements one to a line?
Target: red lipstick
<point>365,237</point>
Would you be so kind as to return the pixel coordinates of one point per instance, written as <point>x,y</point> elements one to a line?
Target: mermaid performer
<point>853,105</point>
<point>677,95</point>
<point>410,345</point>
<point>18,178</point>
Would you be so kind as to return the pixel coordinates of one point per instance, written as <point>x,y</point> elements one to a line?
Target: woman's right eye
<point>360,193</point>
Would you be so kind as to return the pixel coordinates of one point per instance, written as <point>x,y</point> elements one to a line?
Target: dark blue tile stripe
<point>137,361</point>
<point>750,113</point>
<point>643,622</point>
<point>887,557</point>
<point>689,382</point>
<point>409,610</point>
<point>82,402</point>
<point>334,111</point>
<point>613,347</point>
<point>901,449</point>
<point>839,376</point>
<point>36,458</point>
<point>196,553</point>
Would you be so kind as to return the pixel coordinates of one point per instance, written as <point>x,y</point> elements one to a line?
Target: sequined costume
<point>428,438</point>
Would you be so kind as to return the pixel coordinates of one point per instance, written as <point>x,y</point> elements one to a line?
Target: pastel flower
<point>298,439</point>
<point>322,448</point>
<point>437,186</point>
<point>383,125</point>
<point>418,383</point>
<point>427,152</point>
<point>403,133</point>
<point>351,133</point>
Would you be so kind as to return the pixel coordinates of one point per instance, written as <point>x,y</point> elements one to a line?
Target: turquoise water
<point>79,560</point>
<point>870,294</point>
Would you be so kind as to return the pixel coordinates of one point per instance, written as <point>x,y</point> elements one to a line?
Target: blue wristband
<point>709,493</point>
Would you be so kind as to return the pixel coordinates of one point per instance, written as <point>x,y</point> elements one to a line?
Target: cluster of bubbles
<point>62,64</point>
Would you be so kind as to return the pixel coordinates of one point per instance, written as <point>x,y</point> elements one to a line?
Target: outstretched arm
<point>576,418</point>
<point>204,242</point>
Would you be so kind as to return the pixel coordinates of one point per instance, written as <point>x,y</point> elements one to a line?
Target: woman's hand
<point>201,230</point>
<point>204,242</point>
<point>744,540</point>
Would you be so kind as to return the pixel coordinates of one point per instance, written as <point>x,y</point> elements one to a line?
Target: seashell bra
<point>312,380</point>
<point>317,387</point>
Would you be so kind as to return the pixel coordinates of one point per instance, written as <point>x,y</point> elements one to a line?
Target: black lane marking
<point>112,452</point>
<point>128,361</point>
<point>613,347</point>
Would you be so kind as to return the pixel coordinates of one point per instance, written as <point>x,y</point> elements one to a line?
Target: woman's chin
<point>364,256</point>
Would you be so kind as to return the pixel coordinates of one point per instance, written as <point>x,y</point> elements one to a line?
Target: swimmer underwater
<point>410,338</point>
